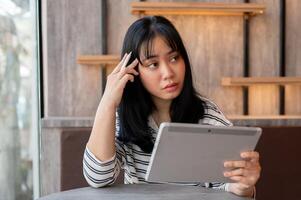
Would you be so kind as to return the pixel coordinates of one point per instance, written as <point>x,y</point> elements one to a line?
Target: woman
<point>155,87</point>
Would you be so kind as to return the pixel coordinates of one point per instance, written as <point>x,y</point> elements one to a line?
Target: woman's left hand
<point>245,173</point>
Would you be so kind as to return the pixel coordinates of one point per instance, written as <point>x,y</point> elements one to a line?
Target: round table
<point>143,192</point>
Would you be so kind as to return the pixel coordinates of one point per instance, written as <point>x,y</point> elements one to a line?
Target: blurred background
<point>55,55</point>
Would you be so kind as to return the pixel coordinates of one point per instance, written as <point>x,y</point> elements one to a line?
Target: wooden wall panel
<point>70,28</point>
<point>264,100</point>
<point>119,20</point>
<point>264,58</point>
<point>293,56</point>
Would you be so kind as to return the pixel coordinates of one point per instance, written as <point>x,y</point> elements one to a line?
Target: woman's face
<point>162,74</point>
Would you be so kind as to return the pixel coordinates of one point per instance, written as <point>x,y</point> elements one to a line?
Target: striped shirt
<point>134,161</point>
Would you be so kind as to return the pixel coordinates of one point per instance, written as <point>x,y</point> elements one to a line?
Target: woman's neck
<point>161,114</point>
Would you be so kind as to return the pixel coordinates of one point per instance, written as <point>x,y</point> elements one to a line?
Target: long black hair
<point>136,104</point>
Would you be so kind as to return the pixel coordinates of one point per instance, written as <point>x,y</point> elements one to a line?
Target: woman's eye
<point>174,59</point>
<point>152,65</point>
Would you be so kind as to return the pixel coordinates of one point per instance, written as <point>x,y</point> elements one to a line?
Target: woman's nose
<point>166,71</point>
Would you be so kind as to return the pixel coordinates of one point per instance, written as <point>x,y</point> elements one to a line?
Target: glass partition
<point>19,125</point>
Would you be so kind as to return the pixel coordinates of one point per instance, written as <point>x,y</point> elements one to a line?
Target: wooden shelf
<point>255,117</point>
<point>196,8</point>
<point>249,81</point>
<point>98,59</point>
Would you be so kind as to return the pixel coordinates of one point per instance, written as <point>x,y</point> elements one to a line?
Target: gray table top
<point>145,192</point>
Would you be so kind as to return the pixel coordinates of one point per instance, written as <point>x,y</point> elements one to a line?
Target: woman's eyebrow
<point>171,52</point>
<point>150,56</point>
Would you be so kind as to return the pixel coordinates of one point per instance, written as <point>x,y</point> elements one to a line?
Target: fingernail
<point>225,173</point>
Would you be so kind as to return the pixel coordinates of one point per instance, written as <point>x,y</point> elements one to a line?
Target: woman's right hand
<point>117,80</point>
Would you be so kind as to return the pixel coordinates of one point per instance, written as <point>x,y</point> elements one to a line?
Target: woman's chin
<point>170,95</point>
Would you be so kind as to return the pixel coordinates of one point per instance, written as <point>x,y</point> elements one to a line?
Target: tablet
<point>196,153</point>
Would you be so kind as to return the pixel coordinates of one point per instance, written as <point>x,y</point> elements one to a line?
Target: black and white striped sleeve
<point>213,115</point>
<point>99,173</point>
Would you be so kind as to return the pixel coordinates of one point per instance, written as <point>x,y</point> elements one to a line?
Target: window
<point>19,124</point>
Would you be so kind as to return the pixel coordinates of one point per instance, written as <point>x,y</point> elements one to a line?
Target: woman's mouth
<point>171,87</point>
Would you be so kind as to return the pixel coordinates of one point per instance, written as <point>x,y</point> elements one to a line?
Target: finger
<point>236,164</point>
<point>243,182</point>
<point>250,176</point>
<point>117,68</point>
<point>126,78</point>
<point>236,178</point>
<point>126,61</point>
<point>251,155</point>
<point>132,71</point>
<point>133,64</point>
<point>246,181</point>
<point>250,173</point>
<point>128,69</point>
<point>236,172</point>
